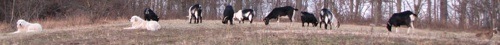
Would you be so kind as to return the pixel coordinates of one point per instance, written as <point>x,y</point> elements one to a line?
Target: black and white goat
<point>149,15</point>
<point>308,18</point>
<point>245,14</point>
<point>402,18</point>
<point>328,18</point>
<point>281,11</point>
<point>195,13</point>
<point>228,15</point>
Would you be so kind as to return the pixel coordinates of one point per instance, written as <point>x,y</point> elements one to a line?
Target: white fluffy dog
<point>138,23</point>
<point>24,26</point>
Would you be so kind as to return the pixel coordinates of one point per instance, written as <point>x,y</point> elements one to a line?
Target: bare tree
<point>398,4</point>
<point>463,12</point>
<point>444,10</point>
<point>377,10</point>
<point>12,11</point>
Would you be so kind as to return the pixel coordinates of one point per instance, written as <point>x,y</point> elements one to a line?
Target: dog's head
<point>21,23</point>
<point>135,19</point>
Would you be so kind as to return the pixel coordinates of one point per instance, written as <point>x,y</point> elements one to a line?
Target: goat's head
<point>224,20</point>
<point>266,21</point>
<point>146,11</point>
<point>389,26</point>
<point>315,24</point>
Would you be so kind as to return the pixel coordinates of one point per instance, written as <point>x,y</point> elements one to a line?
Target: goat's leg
<point>396,29</point>
<point>308,24</point>
<point>242,20</point>
<point>320,23</point>
<point>326,26</point>
<point>201,19</point>
<point>239,21</point>
<point>251,21</point>
<point>231,21</point>
<point>190,19</point>
<point>331,26</point>
<point>278,19</point>
<point>198,20</point>
<point>195,20</point>
<point>291,18</point>
<point>412,28</point>
<point>302,23</point>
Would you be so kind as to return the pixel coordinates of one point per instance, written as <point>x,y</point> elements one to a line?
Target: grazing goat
<point>228,15</point>
<point>195,13</point>
<point>149,15</point>
<point>281,11</point>
<point>138,23</point>
<point>24,26</point>
<point>328,18</point>
<point>402,18</point>
<point>245,14</point>
<point>308,18</point>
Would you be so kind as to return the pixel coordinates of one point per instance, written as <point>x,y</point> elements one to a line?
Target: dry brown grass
<point>179,32</point>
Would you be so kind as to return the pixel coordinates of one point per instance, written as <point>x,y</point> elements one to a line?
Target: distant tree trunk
<point>358,7</point>
<point>493,13</point>
<point>353,10</point>
<point>417,6</point>
<point>429,12</point>
<point>12,11</point>
<point>444,10</point>
<point>435,12</point>
<point>398,3</point>
<point>463,12</point>
<point>377,12</point>
<point>495,5</point>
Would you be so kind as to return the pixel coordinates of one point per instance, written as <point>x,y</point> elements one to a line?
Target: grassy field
<point>213,32</point>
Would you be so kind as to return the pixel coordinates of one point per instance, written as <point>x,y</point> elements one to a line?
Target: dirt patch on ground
<point>179,32</point>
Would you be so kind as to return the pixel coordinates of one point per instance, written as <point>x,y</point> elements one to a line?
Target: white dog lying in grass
<point>24,26</point>
<point>138,23</point>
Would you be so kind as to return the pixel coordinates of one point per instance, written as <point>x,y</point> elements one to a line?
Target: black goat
<point>150,15</point>
<point>228,15</point>
<point>308,18</point>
